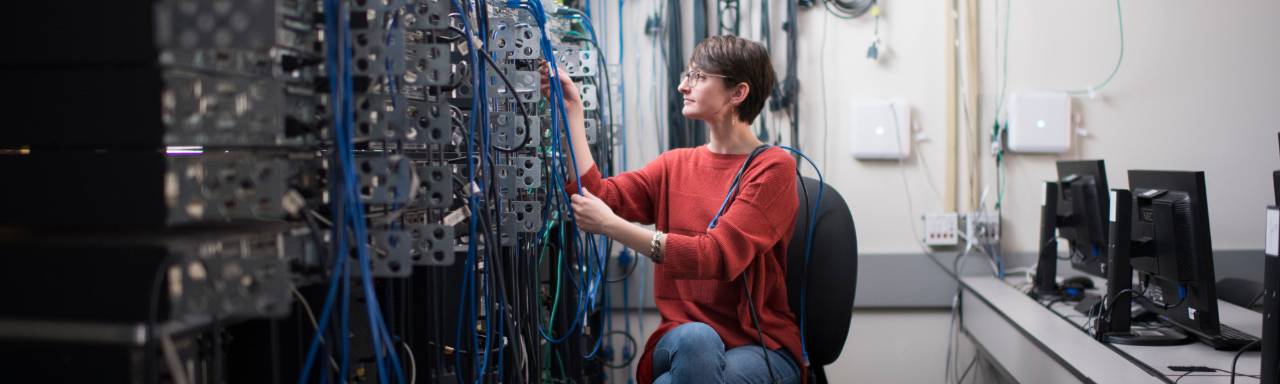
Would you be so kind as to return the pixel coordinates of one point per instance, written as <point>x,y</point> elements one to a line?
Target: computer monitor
<point>1270,366</point>
<point>1173,254</point>
<point>1114,318</point>
<point>1271,293</point>
<point>1075,208</point>
<point>1083,207</point>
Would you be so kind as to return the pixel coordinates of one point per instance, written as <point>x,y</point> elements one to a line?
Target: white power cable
<point>314,325</point>
<point>413,364</point>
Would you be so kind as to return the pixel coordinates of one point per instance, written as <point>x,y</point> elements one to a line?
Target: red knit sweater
<point>702,272</point>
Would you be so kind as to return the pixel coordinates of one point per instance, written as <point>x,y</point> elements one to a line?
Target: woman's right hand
<point>572,100</point>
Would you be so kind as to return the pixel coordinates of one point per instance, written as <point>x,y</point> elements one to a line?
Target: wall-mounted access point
<point>881,129</point>
<point>1040,122</point>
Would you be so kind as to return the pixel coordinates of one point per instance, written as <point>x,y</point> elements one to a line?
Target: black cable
<point>451,39</point>
<point>1111,302</point>
<point>1210,371</point>
<point>528,128</point>
<point>1226,372</point>
<point>1073,255</point>
<point>755,319</point>
<point>1145,282</point>
<point>492,241</point>
<point>1181,299</point>
<point>1108,306</point>
<point>608,97</point>
<point>487,206</point>
<point>493,245</point>
<point>1184,374</point>
<point>1237,358</point>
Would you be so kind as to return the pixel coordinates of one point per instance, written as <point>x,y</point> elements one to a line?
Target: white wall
<point>1197,91</point>
<point>913,70</point>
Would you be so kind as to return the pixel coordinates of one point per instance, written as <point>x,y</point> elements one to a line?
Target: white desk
<point>1035,344</point>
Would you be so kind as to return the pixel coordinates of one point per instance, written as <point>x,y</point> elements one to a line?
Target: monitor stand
<point>1167,335</point>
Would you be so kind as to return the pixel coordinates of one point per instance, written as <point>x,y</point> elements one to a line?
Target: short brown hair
<point>740,61</point>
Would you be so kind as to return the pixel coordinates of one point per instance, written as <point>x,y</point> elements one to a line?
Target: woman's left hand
<point>572,100</point>
<point>592,213</point>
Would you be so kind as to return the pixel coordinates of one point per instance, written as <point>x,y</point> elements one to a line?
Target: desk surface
<point>1059,334</point>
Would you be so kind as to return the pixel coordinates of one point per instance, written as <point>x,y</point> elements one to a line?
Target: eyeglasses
<point>693,77</point>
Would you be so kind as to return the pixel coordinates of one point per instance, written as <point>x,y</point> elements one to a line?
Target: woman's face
<point>705,96</point>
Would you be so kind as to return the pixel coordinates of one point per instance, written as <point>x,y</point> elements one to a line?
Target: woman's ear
<point>739,93</point>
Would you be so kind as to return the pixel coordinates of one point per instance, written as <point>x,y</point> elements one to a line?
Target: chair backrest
<point>832,275</point>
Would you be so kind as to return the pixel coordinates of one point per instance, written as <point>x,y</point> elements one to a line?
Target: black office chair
<point>832,275</point>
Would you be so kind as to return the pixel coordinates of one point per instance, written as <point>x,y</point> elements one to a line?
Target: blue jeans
<point>693,353</point>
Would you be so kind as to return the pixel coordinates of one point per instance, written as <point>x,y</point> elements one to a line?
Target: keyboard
<point>1231,339</point>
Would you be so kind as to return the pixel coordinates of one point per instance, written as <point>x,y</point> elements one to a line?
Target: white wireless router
<point>880,129</point>
<point>1039,122</point>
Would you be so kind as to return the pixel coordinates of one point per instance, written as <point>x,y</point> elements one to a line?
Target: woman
<point>704,275</point>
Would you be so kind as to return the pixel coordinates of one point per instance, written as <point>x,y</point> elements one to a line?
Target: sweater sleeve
<point>754,222</point>
<point>631,195</point>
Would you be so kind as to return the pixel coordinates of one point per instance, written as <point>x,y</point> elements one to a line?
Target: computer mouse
<point>1073,288</point>
<point>1078,282</point>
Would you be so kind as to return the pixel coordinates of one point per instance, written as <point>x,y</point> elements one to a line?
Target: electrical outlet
<point>983,227</point>
<point>940,229</point>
